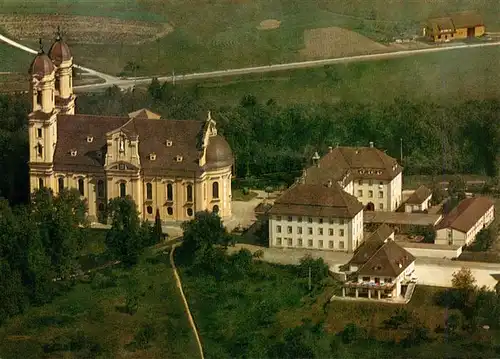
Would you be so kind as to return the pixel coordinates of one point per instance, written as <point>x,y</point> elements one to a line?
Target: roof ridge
<point>373,255</point>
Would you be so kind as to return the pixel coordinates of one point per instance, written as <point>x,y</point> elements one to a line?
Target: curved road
<point>132,81</point>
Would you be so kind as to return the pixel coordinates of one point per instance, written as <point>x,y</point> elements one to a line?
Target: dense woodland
<point>273,141</point>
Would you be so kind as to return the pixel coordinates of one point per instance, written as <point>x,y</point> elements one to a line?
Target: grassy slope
<point>447,76</point>
<point>223,34</point>
<point>93,311</point>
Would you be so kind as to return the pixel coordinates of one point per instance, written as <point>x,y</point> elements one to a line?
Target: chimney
<point>330,149</point>
<point>371,144</point>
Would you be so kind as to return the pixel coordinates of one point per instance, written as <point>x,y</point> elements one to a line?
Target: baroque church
<point>174,167</point>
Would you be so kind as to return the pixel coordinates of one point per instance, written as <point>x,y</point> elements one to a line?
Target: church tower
<point>63,61</point>
<point>42,120</point>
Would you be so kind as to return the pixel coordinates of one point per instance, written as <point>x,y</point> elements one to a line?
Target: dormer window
<point>178,158</point>
<point>73,153</point>
<point>168,143</point>
<point>152,156</point>
<point>90,139</point>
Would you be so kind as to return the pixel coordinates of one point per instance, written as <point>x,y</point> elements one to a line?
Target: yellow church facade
<point>174,167</point>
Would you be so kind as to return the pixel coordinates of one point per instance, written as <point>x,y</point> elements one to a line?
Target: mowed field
<point>454,75</point>
<point>200,35</point>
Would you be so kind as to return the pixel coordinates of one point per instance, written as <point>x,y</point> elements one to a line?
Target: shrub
<point>352,333</point>
<point>144,336</point>
<point>245,191</point>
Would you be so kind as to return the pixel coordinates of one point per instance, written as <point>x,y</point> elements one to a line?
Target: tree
<point>352,333</point>
<point>12,300</point>
<point>463,280</point>
<point>428,232</point>
<point>484,239</point>
<point>318,267</point>
<point>127,237</point>
<point>203,237</point>
<point>457,187</point>
<point>399,319</point>
<point>61,221</point>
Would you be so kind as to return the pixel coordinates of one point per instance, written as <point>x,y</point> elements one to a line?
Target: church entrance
<point>370,206</point>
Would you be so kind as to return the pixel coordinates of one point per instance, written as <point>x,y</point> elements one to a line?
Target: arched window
<point>170,211</point>
<point>189,191</point>
<point>215,209</point>
<point>123,190</point>
<point>40,182</point>
<point>190,212</point>
<point>39,150</point>
<point>39,98</point>
<point>81,188</point>
<point>149,191</point>
<point>215,190</point>
<point>170,192</point>
<point>100,188</point>
<point>149,209</point>
<point>60,183</point>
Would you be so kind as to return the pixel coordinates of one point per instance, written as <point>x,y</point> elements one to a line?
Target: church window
<point>81,188</point>
<point>149,191</point>
<point>58,82</point>
<point>40,183</point>
<point>215,190</point>
<point>39,98</point>
<point>39,132</point>
<point>189,212</point>
<point>170,192</point>
<point>189,191</point>
<point>123,190</point>
<point>39,150</point>
<point>215,209</point>
<point>60,183</point>
<point>149,209</point>
<point>170,211</point>
<point>100,188</point>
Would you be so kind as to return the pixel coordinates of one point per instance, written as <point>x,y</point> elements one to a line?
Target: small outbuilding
<point>419,201</point>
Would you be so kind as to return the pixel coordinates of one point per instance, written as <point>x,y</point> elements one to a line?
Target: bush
<point>100,281</point>
<point>319,269</point>
<point>245,191</point>
<point>144,336</point>
<point>352,333</point>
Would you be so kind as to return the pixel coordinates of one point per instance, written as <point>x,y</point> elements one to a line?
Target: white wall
<point>333,234</point>
<point>385,195</point>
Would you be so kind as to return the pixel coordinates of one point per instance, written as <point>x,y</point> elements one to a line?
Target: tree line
<point>273,141</point>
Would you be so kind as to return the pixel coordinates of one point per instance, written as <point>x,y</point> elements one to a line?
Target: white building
<point>367,173</point>
<point>419,201</point>
<point>464,222</point>
<point>380,267</point>
<point>314,216</point>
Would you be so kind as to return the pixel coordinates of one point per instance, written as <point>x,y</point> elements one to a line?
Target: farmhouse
<point>379,268</point>
<point>171,167</point>
<point>461,25</point>
<point>367,173</point>
<point>419,201</point>
<point>316,216</point>
<point>462,224</point>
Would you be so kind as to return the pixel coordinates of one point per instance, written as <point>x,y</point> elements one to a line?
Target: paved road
<point>130,82</point>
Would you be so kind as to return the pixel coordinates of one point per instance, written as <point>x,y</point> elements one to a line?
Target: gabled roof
<point>467,19</point>
<point>145,114</point>
<point>371,245</point>
<point>464,216</point>
<point>390,260</point>
<point>441,24</point>
<point>420,195</point>
<point>354,162</point>
<point>317,201</point>
<point>183,138</point>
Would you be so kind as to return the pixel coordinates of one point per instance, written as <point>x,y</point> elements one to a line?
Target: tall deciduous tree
<point>127,236</point>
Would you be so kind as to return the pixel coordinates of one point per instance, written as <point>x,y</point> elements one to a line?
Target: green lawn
<point>14,60</point>
<point>221,34</point>
<point>86,322</point>
<point>451,76</point>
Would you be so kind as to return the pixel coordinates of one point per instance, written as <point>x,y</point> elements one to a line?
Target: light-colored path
<point>179,285</point>
<point>132,81</point>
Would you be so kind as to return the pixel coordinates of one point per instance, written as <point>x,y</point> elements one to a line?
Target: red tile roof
<point>390,260</point>
<point>420,195</point>
<point>371,245</point>
<point>464,216</point>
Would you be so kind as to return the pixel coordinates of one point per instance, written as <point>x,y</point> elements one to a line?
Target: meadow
<point>448,76</point>
<point>200,35</point>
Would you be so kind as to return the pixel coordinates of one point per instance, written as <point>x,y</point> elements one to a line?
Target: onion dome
<point>41,65</point>
<point>59,51</point>
<point>218,153</point>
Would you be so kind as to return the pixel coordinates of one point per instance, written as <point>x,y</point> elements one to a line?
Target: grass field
<point>86,322</point>
<point>210,35</point>
<point>446,76</point>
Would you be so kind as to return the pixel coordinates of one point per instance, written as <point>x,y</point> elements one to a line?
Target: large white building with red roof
<point>171,168</point>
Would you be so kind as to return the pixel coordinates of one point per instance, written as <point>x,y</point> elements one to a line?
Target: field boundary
<point>186,305</point>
